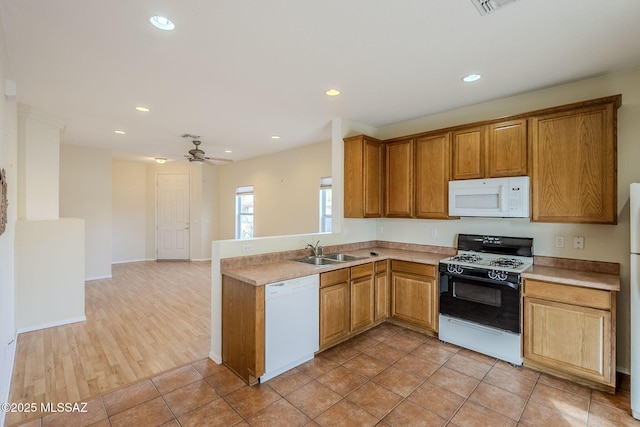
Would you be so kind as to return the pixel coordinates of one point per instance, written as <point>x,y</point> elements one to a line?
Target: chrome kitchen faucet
<point>317,249</point>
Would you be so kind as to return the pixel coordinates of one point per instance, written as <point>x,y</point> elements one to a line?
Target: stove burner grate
<point>506,262</point>
<point>466,258</point>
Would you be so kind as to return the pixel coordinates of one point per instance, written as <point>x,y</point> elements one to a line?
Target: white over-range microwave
<point>492,197</point>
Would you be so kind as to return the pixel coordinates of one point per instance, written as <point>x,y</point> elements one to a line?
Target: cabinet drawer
<point>333,277</point>
<point>381,266</point>
<point>575,295</point>
<point>363,270</point>
<point>414,268</point>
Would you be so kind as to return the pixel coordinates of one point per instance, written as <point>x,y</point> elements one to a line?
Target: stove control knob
<point>454,269</point>
<point>497,275</point>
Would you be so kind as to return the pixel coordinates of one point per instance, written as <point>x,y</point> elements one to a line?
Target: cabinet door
<point>381,296</point>
<point>432,171</point>
<point>362,303</point>
<point>573,166</point>
<point>569,338</point>
<point>399,179</point>
<point>372,178</point>
<point>334,313</point>
<point>507,149</point>
<point>414,300</point>
<point>468,153</point>
<point>363,178</point>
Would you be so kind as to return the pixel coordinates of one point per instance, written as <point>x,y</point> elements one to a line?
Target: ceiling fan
<point>196,155</point>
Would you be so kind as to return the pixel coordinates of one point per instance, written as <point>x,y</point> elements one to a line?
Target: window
<point>325,205</point>
<point>244,212</point>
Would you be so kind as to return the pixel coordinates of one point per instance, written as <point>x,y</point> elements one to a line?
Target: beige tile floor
<point>387,376</point>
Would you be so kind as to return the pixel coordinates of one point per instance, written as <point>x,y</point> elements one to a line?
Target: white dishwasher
<point>291,324</point>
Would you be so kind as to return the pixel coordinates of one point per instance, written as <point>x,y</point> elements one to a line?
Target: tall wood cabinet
<point>414,295</point>
<point>574,164</point>
<point>363,177</point>
<point>399,179</point>
<point>432,172</point>
<point>569,331</point>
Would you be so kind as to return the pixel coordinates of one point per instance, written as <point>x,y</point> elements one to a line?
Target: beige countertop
<point>261,274</point>
<point>587,279</point>
<point>270,272</point>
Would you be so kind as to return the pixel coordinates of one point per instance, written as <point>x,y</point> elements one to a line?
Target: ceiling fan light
<point>197,161</point>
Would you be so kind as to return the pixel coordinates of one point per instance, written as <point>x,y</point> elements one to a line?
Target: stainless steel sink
<point>343,257</point>
<point>316,260</point>
<point>329,259</point>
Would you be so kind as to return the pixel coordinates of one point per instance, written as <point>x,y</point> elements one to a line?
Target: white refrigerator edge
<point>634,296</point>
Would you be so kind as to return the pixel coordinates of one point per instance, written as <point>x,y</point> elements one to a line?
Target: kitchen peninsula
<point>401,287</point>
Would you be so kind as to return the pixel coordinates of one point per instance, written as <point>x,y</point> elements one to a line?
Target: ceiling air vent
<point>486,7</point>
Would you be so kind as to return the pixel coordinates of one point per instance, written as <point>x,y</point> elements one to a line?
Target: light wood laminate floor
<point>149,318</point>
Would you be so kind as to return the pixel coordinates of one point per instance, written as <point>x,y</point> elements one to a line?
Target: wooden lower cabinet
<point>243,328</point>
<point>334,307</point>
<point>362,297</point>
<point>382,291</point>
<point>352,300</point>
<point>569,331</point>
<point>414,295</point>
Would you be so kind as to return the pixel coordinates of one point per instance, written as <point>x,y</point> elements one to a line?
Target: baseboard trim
<point>108,276</point>
<point>51,324</point>
<point>131,260</point>
<point>200,259</point>
<point>215,357</point>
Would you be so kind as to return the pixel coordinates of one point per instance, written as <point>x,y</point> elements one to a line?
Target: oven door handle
<point>514,286</point>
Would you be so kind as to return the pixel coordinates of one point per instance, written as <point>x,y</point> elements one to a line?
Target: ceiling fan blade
<point>219,159</point>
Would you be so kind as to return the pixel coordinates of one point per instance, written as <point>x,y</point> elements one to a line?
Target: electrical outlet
<point>380,230</point>
<point>434,232</point>
<point>559,241</point>
<point>578,242</point>
<point>247,248</point>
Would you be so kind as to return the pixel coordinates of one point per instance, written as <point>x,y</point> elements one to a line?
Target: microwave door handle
<point>504,200</point>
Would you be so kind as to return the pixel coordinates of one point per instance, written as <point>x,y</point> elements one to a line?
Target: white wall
<point>38,165</point>
<point>53,293</point>
<point>129,215</point>
<point>286,189</point>
<point>85,192</point>
<point>8,161</point>
<point>134,208</point>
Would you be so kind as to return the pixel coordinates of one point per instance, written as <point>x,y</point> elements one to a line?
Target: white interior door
<point>173,202</point>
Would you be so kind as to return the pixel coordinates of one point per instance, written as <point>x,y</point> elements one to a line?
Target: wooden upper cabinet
<point>507,149</point>
<point>432,172</point>
<point>468,153</point>
<point>399,179</point>
<point>363,177</point>
<point>574,165</point>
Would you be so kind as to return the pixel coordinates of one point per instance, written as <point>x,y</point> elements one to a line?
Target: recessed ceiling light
<point>160,160</point>
<point>119,132</point>
<point>228,151</point>
<point>332,92</point>
<point>162,23</point>
<point>275,136</point>
<point>142,109</point>
<point>471,78</point>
